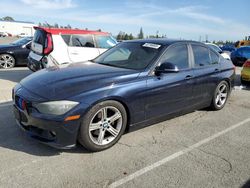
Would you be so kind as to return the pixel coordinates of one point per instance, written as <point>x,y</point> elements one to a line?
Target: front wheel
<point>220,96</point>
<point>103,125</point>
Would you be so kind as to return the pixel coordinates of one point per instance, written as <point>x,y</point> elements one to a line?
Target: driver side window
<point>177,55</point>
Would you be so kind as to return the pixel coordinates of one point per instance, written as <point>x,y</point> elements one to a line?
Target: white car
<point>52,46</point>
<point>217,49</point>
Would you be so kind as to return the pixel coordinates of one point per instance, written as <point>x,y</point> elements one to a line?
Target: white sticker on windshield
<point>151,45</point>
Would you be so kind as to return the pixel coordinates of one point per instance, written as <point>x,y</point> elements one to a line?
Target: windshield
<point>22,41</point>
<point>105,41</point>
<point>130,55</point>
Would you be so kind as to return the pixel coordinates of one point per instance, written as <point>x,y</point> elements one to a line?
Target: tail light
<point>49,44</point>
<point>247,63</point>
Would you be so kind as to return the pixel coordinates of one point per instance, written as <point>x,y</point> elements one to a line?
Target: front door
<point>170,92</point>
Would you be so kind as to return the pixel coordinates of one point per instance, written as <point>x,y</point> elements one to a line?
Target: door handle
<point>188,77</point>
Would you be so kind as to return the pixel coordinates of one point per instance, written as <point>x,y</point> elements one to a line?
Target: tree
<point>8,18</point>
<point>141,35</point>
<point>56,25</point>
<point>68,26</point>
<point>131,37</point>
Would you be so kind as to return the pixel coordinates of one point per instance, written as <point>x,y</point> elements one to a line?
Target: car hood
<point>58,83</point>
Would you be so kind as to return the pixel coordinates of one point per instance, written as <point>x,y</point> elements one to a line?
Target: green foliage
<point>8,18</point>
<point>141,34</point>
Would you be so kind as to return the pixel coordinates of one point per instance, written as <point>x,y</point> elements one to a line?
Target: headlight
<point>55,107</point>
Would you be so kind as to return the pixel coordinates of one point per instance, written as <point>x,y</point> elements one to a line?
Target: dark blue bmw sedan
<point>130,85</point>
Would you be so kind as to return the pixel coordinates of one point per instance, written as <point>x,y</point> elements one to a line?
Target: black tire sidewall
<point>84,137</point>
<point>214,105</point>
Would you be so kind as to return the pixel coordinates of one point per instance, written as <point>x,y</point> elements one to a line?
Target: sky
<point>185,19</point>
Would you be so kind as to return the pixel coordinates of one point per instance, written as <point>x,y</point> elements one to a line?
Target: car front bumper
<point>58,134</point>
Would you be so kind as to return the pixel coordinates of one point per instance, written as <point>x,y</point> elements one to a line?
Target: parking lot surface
<point>200,149</point>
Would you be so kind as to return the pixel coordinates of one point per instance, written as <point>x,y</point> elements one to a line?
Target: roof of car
<point>164,41</point>
<point>58,31</point>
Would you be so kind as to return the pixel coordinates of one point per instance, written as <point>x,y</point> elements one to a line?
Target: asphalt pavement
<point>200,149</point>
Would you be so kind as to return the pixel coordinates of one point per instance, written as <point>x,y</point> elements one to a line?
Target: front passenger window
<point>177,55</point>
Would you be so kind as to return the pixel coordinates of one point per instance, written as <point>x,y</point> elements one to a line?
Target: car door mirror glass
<point>166,67</point>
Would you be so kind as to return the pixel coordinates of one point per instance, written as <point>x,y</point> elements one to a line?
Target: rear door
<point>82,48</point>
<point>206,71</point>
<point>104,42</point>
<point>38,44</point>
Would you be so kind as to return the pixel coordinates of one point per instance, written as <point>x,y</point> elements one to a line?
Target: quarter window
<point>177,55</point>
<point>201,55</point>
<point>82,41</point>
<point>66,39</point>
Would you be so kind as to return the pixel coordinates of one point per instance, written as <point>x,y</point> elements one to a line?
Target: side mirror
<point>166,67</point>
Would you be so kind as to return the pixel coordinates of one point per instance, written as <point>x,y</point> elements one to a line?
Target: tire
<point>7,61</point>
<point>220,96</point>
<point>108,120</point>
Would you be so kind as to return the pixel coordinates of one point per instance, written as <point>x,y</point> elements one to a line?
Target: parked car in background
<point>240,55</point>
<point>217,49</point>
<point>228,48</point>
<point>21,35</point>
<point>60,46</point>
<point>15,53</point>
<point>245,72</point>
<point>4,34</point>
<point>129,85</point>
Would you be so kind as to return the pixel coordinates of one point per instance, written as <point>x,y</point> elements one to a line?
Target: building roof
<point>17,22</point>
<point>70,31</point>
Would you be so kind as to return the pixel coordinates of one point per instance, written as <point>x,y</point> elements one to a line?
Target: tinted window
<point>105,41</point>
<point>214,57</point>
<point>130,55</point>
<point>201,55</point>
<point>177,55</point>
<point>66,39</point>
<point>82,41</point>
<point>40,37</point>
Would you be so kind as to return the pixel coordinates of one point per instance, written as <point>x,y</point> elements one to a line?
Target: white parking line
<point>174,156</point>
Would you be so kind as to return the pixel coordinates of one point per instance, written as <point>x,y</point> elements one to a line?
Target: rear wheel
<point>103,126</point>
<point>7,61</point>
<point>220,96</point>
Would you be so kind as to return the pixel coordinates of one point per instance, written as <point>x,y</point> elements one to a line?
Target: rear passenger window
<point>177,55</point>
<point>201,55</point>
<point>66,39</point>
<point>82,41</point>
<point>214,57</point>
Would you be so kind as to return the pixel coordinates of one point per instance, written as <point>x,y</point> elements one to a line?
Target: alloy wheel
<point>221,95</point>
<point>6,61</point>
<point>105,125</point>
